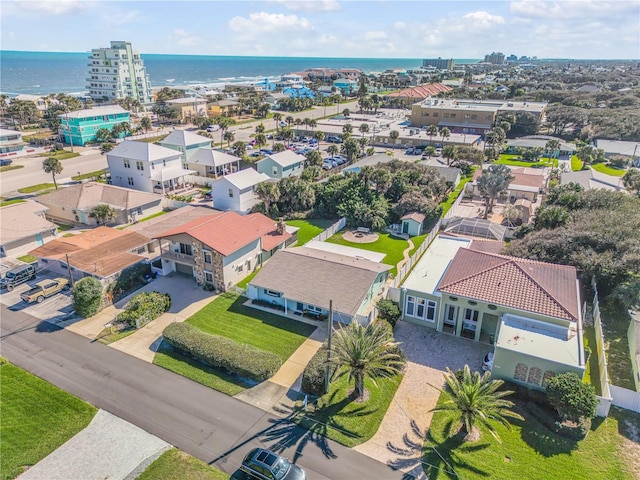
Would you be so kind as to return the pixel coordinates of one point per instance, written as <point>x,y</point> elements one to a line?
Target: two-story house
<point>186,143</point>
<point>236,191</point>
<point>223,248</point>
<point>281,165</point>
<point>11,142</point>
<point>146,167</point>
<point>81,126</point>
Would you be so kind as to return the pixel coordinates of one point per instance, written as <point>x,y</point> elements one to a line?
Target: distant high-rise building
<point>118,72</point>
<point>496,58</point>
<point>439,63</point>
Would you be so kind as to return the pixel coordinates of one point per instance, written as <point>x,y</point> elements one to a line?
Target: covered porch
<point>213,163</point>
<point>467,322</point>
<point>169,180</point>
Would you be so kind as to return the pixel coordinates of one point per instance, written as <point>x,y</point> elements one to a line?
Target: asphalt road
<point>212,426</point>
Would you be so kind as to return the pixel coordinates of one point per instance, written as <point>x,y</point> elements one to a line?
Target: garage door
<point>181,268</point>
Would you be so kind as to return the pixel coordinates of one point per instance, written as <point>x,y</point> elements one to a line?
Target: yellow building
<point>220,108</point>
<point>188,107</point>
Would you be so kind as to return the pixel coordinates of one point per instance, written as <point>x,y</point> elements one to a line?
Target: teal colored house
<point>81,126</point>
<point>346,86</point>
<point>281,165</point>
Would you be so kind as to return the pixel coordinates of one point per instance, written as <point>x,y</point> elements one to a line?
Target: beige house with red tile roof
<point>222,248</point>
<point>528,310</point>
<point>527,183</point>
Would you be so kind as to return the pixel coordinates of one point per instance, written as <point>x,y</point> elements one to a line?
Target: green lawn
<point>615,322</point>
<point>529,451</point>
<point>36,419</point>
<point>227,317</point>
<point>576,163</point>
<point>60,154</point>
<point>5,203</point>
<point>446,205</point>
<point>608,169</point>
<point>153,139</point>
<point>417,241</point>
<point>108,335</point>
<point>84,176</point>
<point>592,373</point>
<point>309,228</point>
<point>157,214</point>
<point>8,168</point>
<point>393,247</point>
<point>36,188</point>
<point>62,227</point>
<point>339,418</point>
<point>174,464</point>
<point>510,159</point>
<point>28,259</point>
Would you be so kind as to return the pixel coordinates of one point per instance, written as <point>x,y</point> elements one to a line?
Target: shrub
<point>130,279</point>
<point>572,397</point>
<point>388,310</point>
<point>220,352</point>
<point>314,374</point>
<point>87,295</point>
<point>145,306</point>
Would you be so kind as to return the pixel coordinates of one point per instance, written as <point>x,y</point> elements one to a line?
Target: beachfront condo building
<point>116,73</point>
<point>79,127</point>
<point>439,63</point>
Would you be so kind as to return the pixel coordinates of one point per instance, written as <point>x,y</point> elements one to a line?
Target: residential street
<point>207,424</point>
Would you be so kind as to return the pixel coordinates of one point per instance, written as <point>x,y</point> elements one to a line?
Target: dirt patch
<point>360,237</point>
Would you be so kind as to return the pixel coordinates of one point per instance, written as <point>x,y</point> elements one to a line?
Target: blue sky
<point>330,28</point>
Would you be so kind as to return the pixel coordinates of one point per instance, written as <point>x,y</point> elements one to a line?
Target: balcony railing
<point>177,257</point>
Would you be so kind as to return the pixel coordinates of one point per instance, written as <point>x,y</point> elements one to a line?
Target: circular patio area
<point>359,237</point>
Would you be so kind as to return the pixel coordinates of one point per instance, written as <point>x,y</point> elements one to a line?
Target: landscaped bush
<point>220,352</point>
<point>87,295</point>
<point>572,397</point>
<point>388,310</point>
<point>144,307</point>
<point>130,279</point>
<point>315,373</point>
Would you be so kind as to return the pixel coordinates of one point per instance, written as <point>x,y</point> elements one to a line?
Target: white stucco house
<point>236,191</point>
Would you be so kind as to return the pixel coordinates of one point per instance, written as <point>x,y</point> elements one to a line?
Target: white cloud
<point>53,7</point>
<point>309,5</point>
<point>185,39</point>
<point>568,9</point>
<point>261,22</point>
<point>482,20</point>
<point>328,39</point>
<point>399,25</point>
<point>122,18</point>
<point>375,36</point>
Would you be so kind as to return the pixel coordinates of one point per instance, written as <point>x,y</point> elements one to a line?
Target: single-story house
<point>529,310</point>
<point>514,145</point>
<point>592,179</point>
<point>452,175</point>
<point>11,142</point>
<point>281,164</point>
<point>208,162</point>
<point>274,99</point>
<point>620,147</point>
<point>524,185</point>
<point>23,228</point>
<point>302,280</point>
<point>102,253</point>
<point>186,143</point>
<point>75,204</point>
<point>222,248</point>
<point>412,223</point>
<point>236,190</point>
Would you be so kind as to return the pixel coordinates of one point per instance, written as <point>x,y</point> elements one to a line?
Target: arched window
<point>535,375</point>
<point>547,375</point>
<point>521,372</point>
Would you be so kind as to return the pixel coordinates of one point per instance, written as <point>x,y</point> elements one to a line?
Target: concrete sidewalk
<point>108,448</point>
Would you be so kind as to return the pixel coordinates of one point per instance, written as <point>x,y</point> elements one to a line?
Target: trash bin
<point>491,339</point>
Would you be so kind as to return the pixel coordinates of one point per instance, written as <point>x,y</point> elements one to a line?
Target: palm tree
<point>229,137</point>
<point>449,153</point>
<point>493,182</point>
<point>224,123</point>
<point>269,193</point>
<point>365,352</point>
<point>261,140</point>
<point>551,146</point>
<point>476,399</point>
<point>260,128</point>
<point>347,128</point>
<point>432,131</point>
<point>333,150</point>
<point>145,123</point>
<point>103,213</point>
<point>289,120</point>
<point>445,133</point>
<point>319,136</point>
<point>277,117</point>
<point>393,135</point>
<point>364,128</point>
<point>53,166</point>
<point>351,148</point>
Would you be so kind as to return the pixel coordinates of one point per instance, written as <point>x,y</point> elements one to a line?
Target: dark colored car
<point>267,465</point>
<point>5,161</point>
<point>18,275</point>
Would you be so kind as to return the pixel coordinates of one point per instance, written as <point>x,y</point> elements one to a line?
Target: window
<point>446,115</point>
<point>470,315</point>
<point>453,115</point>
<point>311,308</point>
<point>126,163</point>
<point>436,114</point>
<point>185,249</point>
<point>411,305</point>
<point>240,268</point>
<point>208,277</point>
<point>139,166</point>
<point>231,193</point>
<point>472,302</point>
<point>164,162</point>
<point>466,116</point>
<point>130,180</point>
<point>275,171</point>
<point>431,311</point>
<point>420,310</point>
<point>474,117</point>
<point>451,315</point>
<point>272,293</point>
<point>208,258</point>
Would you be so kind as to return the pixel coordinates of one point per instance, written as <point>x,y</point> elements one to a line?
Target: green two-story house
<point>81,126</point>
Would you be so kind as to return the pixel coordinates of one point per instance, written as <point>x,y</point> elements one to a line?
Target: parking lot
<point>54,308</point>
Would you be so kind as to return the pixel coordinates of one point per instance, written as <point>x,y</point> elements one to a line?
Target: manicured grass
<point>615,322</point>
<point>393,247</point>
<point>66,235</point>
<point>153,139</point>
<point>36,419</point>
<point>608,169</point>
<point>8,168</point>
<point>62,227</point>
<point>592,373</point>
<point>158,214</point>
<point>227,317</point>
<point>4,203</point>
<point>446,205</point>
<point>576,163</point>
<point>243,283</point>
<point>309,228</point>
<point>173,360</point>
<point>529,451</point>
<point>417,241</point>
<point>84,176</point>
<point>36,188</point>
<point>510,159</point>
<point>60,154</point>
<point>338,417</point>
<point>108,335</point>
<point>28,259</point>
<point>174,464</point>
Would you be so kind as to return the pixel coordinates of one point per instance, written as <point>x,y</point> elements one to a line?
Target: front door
<point>405,227</point>
<point>451,319</point>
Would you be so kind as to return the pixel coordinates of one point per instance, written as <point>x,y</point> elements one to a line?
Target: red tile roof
<point>519,178</point>
<point>421,91</point>
<point>228,231</point>
<point>527,285</point>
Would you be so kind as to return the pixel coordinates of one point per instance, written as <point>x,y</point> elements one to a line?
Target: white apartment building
<point>118,72</point>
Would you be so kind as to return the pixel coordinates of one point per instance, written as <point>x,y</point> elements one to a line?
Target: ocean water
<point>56,72</point>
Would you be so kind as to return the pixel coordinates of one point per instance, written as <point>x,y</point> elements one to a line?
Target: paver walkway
<point>109,448</point>
<point>400,438</point>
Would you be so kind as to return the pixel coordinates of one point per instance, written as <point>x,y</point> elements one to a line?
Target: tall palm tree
<point>364,128</point>
<point>432,131</point>
<point>476,399</point>
<point>229,137</point>
<point>289,120</point>
<point>449,153</point>
<point>319,136</point>
<point>277,117</point>
<point>145,123</point>
<point>365,352</point>
<point>445,133</point>
<point>53,166</point>
<point>551,146</point>
<point>393,135</point>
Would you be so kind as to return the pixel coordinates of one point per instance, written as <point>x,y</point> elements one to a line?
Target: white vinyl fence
<point>336,227</point>
<point>406,268</point>
<point>625,398</point>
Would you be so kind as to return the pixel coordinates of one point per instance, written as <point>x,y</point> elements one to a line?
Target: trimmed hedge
<point>314,374</point>
<point>145,306</point>
<point>220,352</point>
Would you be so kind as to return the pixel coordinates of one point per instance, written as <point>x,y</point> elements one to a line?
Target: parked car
<point>18,275</point>
<point>208,195</point>
<point>417,151</point>
<point>283,124</point>
<point>45,289</point>
<point>266,151</point>
<point>333,139</point>
<point>438,152</point>
<point>256,154</point>
<point>213,128</point>
<point>326,166</point>
<point>5,161</point>
<point>267,465</point>
<point>409,151</point>
<point>339,160</point>
<point>487,363</point>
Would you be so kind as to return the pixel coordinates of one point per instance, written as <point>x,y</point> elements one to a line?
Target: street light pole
<point>330,325</point>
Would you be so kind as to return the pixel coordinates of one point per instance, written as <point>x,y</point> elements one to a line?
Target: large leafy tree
<point>87,295</point>
<point>53,166</point>
<point>476,399</point>
<point>631,181</point>
<point>268,193</point>
<point>365,352</point>
<point>573,398</point>
<point>493,182</point>
<point>103,213</point>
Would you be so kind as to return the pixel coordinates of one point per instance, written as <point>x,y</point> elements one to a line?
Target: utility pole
<point>69,270</point>
<point>330,325</point>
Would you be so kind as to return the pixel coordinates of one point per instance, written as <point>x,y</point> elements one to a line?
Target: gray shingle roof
<point>184,138</point>
<point>142,151</point>
<point>22,220</point>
